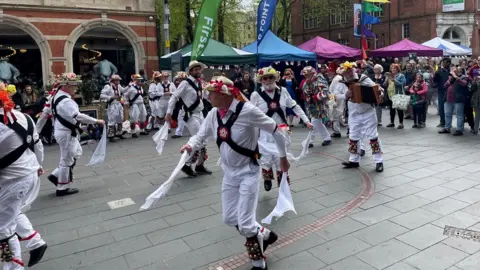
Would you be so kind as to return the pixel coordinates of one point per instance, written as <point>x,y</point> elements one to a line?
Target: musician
<point>362,118</point>
<point>273,101</point>
<point>338,89</point>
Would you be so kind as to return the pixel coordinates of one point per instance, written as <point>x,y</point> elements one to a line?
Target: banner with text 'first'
<point>206,21</point>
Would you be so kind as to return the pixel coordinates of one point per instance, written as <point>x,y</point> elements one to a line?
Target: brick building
<point>418,20</point>
<point>123,30</point>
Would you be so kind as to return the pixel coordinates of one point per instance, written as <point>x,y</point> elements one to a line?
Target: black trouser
<point>418,113</point>
<point>392,113</point>
<point>468,110</point>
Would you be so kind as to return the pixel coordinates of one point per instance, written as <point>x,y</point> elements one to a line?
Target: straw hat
<point>69,79</point>
<point>156,74</point>
<point>115,77</point>
<point>267,71</point>
<point>136,77</point>
<point>165,74</point>
<point>195,64</point>
<point>308,70</point>
<point>180,75</point>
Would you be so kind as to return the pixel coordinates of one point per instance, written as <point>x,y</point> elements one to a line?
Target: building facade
<point>56,26</point>
<point>418,20</point>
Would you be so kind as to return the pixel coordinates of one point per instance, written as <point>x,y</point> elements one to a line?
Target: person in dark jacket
<point>290,83</point>
<point>245,84</point>
<point>456,97</point>
<point>475,102</point>
<point>440,78</point>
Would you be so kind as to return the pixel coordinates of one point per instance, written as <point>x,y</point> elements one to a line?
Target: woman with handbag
<point>379,79</point>
<point>397,100</point>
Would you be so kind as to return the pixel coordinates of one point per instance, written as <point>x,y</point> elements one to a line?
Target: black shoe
<point>415,126</point>
<point>458,133</point>
<point>36,255</point>
<point>188,171</point>
<point>362,153</point>
<point>400,126</point>
<point>379,167</point>
<point>325,143</point>
<point>379,125</point>
<point>310,145</point>
<point>145,132</point>
<point>202,170</point>
<point>271,239</point>
<point>112,139</point>
<point>336,135</point>
<point>441,125</point>
<point>176,136</point>
<point>390,125</point>
<point>134,135</point>
<point>444,131</point>
<point>348,165</point>
<point>52,178</point>
<point>66,192</point>
<point>267,184</point>
<point>408,117</point>
<point>259,268</point>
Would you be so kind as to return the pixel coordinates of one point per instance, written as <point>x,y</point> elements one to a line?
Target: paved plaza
<point>346,219</point>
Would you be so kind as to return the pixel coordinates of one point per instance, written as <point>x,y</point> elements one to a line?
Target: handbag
<point>400,102</point>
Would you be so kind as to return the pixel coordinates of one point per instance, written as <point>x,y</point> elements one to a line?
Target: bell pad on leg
<point>254,248</point>
<point>375,145</point>
<point>204,154</point>
<point>6,253</point>
<point>279,178</point>
<point>353,146</point>
<point>267,174</point>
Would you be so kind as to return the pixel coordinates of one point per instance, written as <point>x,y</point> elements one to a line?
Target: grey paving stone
<point>470,263</point>
<point>380,232</point>
<point>105,226</point>
<point>72,223</point>
<point>338,249</point>
<point>423,237</point>
<point>338,186</point>
<point>375,215</point>
<point>300,245</point>
<point>393,172</point>
<point>401,191</point>
<point>69,262</point>
<point>401,266</point>
<point>303,208</point>
<point>452,174</point>
<point>335,198</point>
<point>470,168</point>
<point>408,203</point>
<point>284,226</point>
<point>467,246</point>
<point>460,184</point>
<point>376,199</point>
<point>118,263</point>
<point>305,184</point>
<point>156,253</point>
<point>386,254</point>
<point>458,219</point>
<point>348,264</point>
<point>439,256</point>
<point>202,201</point>
<point>445,206</point>
<point>415,218</point>
<point>187,216</point>
<point>61,237</point>
<point>78,245</point>
<point>436,193</point>
<point>211,221</point>
<point>175,232</point>
<point>420,173</point>
<point>394,180</point>
<point>469,196</point>
<point>428,182</point>
<point>414,165</point>
<point>157,213</point>
<point>306,195</point>
<point>210,236</point>
<point>442,167</point>
<point>302,260</point>
<point>342,227</point>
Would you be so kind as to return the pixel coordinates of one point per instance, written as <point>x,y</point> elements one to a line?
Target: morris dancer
<point>138,112</point>
<point>112,94</point>
<point>362,121</point>
<point>166,90</point>
<point>154,98</point>
<point>67,132</point>
<point>19,184</point>
<point>190,91</point>
<point>338,89</point>
<point>178,109</point>
<point>273,101</point>
<point>315,89</point>
<point>236,125</point>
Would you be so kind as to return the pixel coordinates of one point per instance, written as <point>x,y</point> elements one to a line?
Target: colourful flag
<point>364,48</point>
<point>369,7</point>
<point>369,19</point>
<point>367,33</point>
<point>377,1</point>
<point>266,10</point>
<point>206,21</point>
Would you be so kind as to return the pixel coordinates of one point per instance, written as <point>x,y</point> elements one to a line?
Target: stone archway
<point>134,39</point>
<point>455,34</point>
<point>39,38</point>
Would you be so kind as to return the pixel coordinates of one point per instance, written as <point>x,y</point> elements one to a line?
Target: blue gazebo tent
<point>449,49</point>
<point>274,49</point>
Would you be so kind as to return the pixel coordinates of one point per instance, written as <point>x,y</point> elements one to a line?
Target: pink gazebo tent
<point>403,48</point>
<point>326,49</point>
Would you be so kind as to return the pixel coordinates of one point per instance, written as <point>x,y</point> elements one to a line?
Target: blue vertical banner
<point>266,10</point>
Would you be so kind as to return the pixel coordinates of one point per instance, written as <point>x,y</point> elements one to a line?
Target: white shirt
<point>108,92</point>
<point>187,93</point>
<point>68,110</point>
<point>360,108</point>
<point>285,101</point>
<point>244,132</point>
<point>171,89</point>
<point>132,91</point>
<point>29,162</point>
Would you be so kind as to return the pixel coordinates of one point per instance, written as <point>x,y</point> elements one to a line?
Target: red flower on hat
<point>260,72</point>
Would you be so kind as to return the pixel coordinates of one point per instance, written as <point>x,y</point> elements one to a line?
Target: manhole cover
<point>462,233</point>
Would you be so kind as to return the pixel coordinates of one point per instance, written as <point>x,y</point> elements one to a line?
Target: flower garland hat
<point>69,79</point>
<point>222,84</point>
<point>267,71</point>
<point>348,66</point>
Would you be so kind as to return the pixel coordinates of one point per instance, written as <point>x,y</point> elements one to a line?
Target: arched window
<point>455,35</point>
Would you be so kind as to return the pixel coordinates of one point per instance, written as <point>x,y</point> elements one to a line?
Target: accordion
<point>365,94</point>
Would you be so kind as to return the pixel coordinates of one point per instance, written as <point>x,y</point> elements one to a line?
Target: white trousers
<point>115,113</point>
<point>364,126</point>
<point>70,149</point>
<point>193,124</point>
<point>319,127</point>
<point>138,112</point>
<point>15,195</point>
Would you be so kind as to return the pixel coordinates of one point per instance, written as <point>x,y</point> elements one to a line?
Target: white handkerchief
<point>284,202</point>
<point>161,137</point>
<point>98,156</point>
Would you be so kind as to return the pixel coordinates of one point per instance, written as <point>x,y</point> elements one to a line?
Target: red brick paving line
<point>241,259</point>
